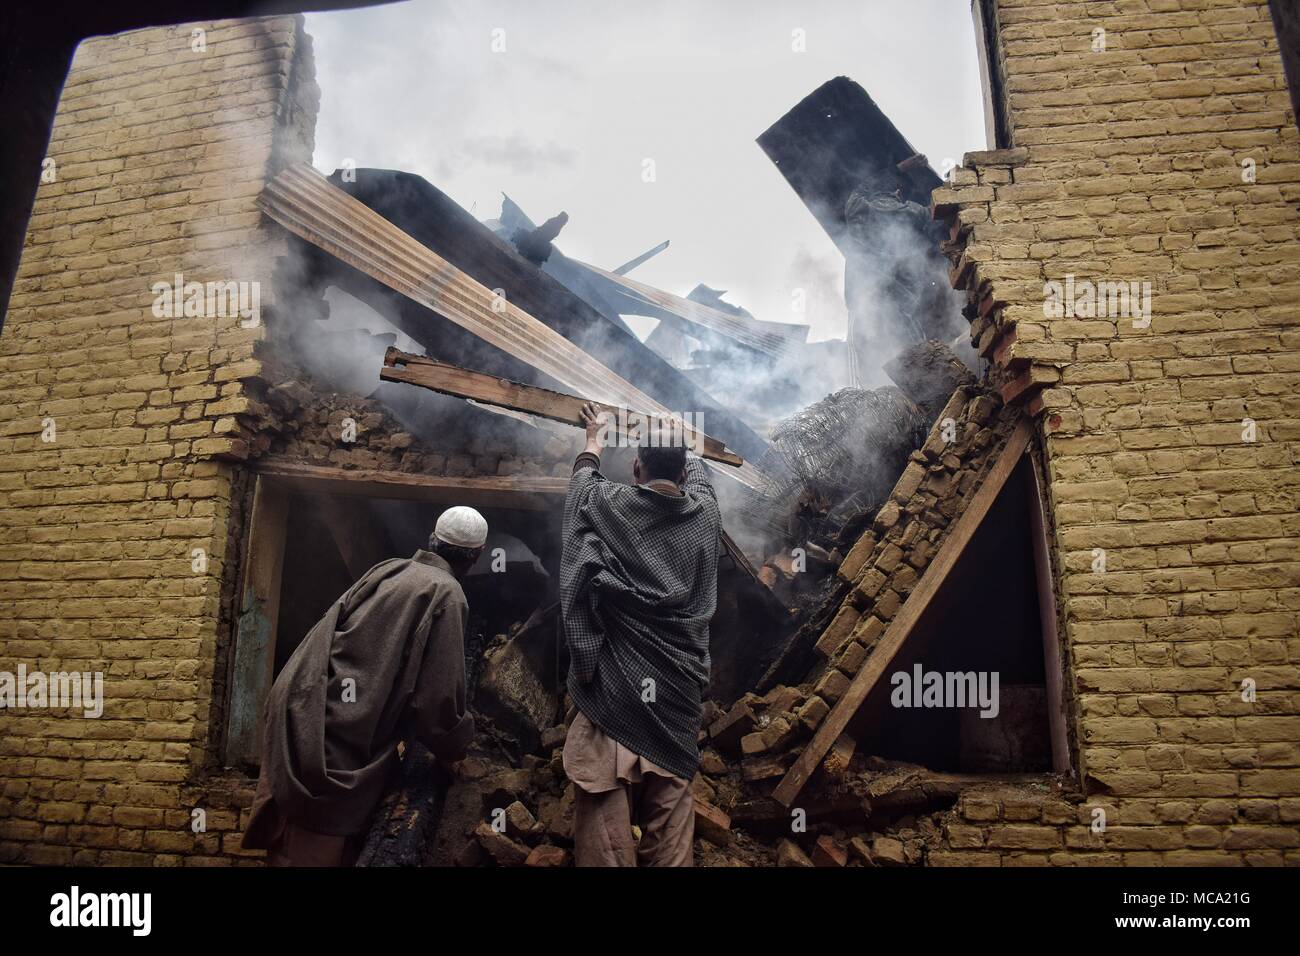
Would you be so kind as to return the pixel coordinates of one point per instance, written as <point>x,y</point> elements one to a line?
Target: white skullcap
<point>461,527</point>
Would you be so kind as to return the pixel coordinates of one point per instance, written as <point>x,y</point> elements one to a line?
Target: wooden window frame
<point>276,482</point>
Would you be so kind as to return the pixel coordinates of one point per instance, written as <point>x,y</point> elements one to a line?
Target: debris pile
<point>828,469</point>
<point>869,812</point>
<point>510,804</point>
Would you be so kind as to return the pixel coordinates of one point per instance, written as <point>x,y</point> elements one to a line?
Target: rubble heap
<point>513,806</point>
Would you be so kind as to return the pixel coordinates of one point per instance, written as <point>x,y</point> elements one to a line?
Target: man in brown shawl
<point>385,663</point>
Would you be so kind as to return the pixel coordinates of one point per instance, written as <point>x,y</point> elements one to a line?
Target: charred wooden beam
<point>453,380</point>
<point>407,818</point>
<point>537,493</point>
<point>835,139</point>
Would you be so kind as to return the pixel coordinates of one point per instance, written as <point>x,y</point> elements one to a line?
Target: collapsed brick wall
<point>1163,150</point>
<point>881,570</point>
<point>887,562</point>
<point>160,150</point>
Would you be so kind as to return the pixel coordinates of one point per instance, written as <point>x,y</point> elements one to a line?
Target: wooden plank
<point>535,493</point>
<point>259,611</point>
<point>900,629</point>
<point>453,380</point>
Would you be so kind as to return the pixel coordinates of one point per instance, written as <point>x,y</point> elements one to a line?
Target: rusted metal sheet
<point>308,205</point>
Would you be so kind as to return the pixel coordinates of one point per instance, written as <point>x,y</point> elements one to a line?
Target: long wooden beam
<point>631,264</point>
<point>1052,666</point>
<point>901,628</point>
<point>448,379</point>
<point>535,493</point>
<point>308,205</point>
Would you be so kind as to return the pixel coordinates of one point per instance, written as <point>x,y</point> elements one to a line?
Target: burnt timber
<point>437,223</point>
<point>463,383</point>
<point>833,140</point>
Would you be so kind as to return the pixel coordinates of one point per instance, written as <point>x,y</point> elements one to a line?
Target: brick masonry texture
<point>1127,165</point>
<point>161,151</point>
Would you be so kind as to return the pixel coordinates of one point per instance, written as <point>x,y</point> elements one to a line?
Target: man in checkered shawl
<point>638,586</point>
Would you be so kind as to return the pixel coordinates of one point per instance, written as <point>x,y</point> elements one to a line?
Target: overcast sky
<point>586,90</point>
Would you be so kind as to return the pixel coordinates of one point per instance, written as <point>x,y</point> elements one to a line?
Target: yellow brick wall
<point>160,150</point>
<point>1128,165</point>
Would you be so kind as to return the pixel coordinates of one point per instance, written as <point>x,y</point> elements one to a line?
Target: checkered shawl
<point>638,586</point>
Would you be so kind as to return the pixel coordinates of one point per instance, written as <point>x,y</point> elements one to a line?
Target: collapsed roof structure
<point>868,511</point>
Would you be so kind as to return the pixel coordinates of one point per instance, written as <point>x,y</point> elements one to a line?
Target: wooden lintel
<point>536,493</point>
<point>901,628</point>
<point>463,383</point>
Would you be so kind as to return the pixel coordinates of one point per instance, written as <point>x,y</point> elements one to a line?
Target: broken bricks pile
<point>875,813</point>
<point>888,560</point>
<point>864,811</point>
